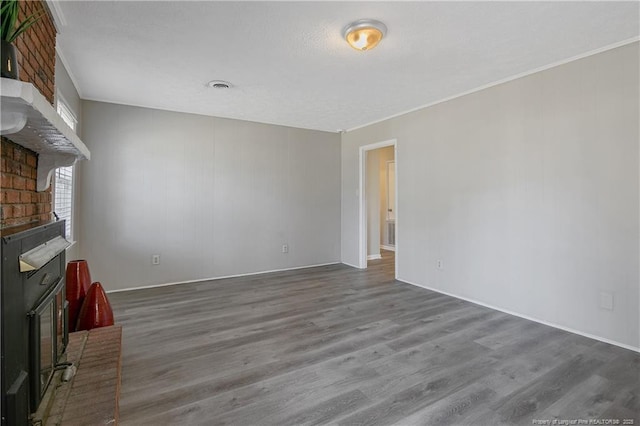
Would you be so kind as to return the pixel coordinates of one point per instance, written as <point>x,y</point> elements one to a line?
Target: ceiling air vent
<point>219,84</point>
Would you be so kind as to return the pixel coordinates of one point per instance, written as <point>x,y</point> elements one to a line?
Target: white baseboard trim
<point>220,278</point>
<point>353,266</point>
<point>386,247</point>
<point>527,317</point>
<point>374,257</point>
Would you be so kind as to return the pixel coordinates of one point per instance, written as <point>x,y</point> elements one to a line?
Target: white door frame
<point>362,258</point>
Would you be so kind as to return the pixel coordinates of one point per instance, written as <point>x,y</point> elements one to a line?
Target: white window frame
<point>69,117</point>
<point>64,111</point>
<point>70,219</point>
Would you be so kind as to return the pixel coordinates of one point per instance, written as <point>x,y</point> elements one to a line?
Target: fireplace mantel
<point>29,120</point>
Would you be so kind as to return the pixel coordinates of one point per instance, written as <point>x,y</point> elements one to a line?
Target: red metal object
<point>78,281</point>
<point>96,310</point>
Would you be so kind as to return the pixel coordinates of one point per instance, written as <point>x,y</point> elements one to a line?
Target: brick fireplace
<point>43,389</point>
<point>20,202</point>
<point>33,325</point>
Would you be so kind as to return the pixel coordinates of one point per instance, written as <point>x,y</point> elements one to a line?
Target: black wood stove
<point>34,329</point>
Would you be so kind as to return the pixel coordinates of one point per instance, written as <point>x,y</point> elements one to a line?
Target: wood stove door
<point>43,342</point>
<point>62,324</point>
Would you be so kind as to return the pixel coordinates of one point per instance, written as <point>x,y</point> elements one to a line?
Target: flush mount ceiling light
<point>364,34</point>
<point>219,84</point>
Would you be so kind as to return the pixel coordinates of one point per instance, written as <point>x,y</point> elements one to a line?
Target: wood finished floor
<point>337,345</point>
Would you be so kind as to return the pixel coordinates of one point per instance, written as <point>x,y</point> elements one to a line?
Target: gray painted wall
<point>527,191</point>
<point>214,197</point>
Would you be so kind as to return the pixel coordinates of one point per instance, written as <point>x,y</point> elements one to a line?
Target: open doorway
<point>378,203</point>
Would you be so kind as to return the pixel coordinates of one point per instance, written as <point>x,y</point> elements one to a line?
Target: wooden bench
<point>91,396</point>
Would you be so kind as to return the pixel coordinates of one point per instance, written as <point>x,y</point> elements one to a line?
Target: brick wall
<point>20,203</point>
<point>37,49</point>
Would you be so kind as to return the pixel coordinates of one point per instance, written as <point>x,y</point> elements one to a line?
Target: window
<point>63,177</point>
<point>65,112</point>
<point>63,196</point>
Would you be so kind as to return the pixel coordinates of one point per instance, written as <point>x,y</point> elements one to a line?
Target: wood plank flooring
<point>337,345</point>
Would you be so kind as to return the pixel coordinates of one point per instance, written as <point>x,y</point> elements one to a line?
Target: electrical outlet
<point>440,264</point>
<point>155,259</point>
<point>285,248</point>
<point>606,300</point>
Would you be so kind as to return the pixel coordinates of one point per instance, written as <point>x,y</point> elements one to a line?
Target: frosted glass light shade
<point>364,34</point>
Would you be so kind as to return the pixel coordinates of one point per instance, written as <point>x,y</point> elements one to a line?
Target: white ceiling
<point>290,65</point>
